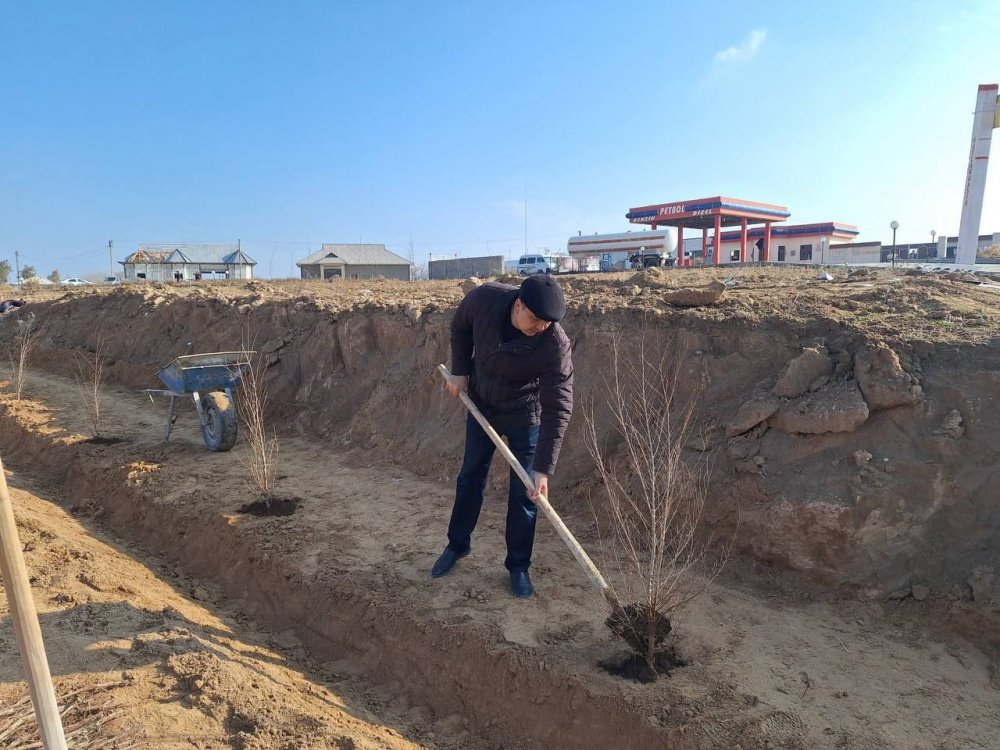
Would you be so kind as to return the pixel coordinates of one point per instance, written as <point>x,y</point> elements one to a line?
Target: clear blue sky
<point>287,125</point>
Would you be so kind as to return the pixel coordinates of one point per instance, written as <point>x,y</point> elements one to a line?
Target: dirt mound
<point>654,276</point>
<point>709,294</point>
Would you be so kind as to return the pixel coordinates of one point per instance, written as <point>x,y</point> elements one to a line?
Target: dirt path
<point>765,670</point>
<point>165,669</point>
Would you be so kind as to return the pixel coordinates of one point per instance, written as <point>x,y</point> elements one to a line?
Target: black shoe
<point>520,584</point>
<point>446,562</point>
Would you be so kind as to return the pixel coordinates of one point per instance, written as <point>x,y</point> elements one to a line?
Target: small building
<point>855,253</point>
<point>612,251</point>
<point>354,262</point>
<point>463,268</point>
<point>790,243</point>
<point>166,262</point>
<point>947,247</point>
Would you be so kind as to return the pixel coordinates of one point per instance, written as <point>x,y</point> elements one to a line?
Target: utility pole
<point>111,258</point>
<point>17,269</point>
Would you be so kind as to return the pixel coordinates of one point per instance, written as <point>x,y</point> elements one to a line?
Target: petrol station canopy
<point>712,213</point>
<point>701,213</point>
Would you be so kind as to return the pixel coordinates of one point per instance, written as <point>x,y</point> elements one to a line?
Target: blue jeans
<point>521,511</point>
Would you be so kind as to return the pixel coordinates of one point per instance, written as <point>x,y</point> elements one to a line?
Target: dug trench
<point>144,656</point>
<point>848,651</point>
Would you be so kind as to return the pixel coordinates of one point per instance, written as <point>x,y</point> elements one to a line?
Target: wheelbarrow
<point>210,379</point>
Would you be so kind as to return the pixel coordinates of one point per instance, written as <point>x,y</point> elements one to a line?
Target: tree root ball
<point>276,506</point>
<point>631,624</point>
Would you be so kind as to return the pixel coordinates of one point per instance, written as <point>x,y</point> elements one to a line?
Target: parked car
<point>529,264</point>
<point>73,281</point>
<point>112,280</point>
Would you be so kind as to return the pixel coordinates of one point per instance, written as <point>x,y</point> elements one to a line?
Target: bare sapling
<point>261,457</point>
<point>651,504</point>
<point>89,382</point>
<point>20,349</point>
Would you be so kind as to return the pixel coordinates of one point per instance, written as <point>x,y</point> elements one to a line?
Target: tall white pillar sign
<point>975,179</point>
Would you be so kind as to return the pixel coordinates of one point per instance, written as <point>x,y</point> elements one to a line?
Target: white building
<point>614,250</point>
<point>790,243</point>
<point>853,253</point>
<point>165,262</point>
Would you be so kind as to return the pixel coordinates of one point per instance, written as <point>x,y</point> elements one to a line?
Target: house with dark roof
<point>166,262</point>
<point>354,262</point>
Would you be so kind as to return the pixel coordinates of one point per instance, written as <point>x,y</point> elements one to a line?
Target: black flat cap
<point>542,295</point>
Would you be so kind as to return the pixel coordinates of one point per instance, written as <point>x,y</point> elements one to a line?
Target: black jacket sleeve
<point>461,336</point>
<point>555,393</point>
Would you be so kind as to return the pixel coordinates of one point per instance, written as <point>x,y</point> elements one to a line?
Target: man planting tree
<point>510,354</point>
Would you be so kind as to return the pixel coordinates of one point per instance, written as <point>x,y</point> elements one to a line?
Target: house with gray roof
<point>354,262</point>
<point>170,262</point>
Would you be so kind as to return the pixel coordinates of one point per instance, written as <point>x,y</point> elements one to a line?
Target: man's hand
<point>457,384</point>
<point>541,485</point>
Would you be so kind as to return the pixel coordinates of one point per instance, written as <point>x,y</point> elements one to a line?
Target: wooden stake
<point>26,630</point>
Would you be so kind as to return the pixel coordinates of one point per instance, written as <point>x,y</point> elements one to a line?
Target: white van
<point>529,264</point>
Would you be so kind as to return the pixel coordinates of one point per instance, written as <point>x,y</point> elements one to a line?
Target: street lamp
<point>894,225</point>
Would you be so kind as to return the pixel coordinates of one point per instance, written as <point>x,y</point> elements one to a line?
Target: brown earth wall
<point>921,510</point>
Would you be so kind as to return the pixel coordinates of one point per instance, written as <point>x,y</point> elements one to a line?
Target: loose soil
<point>275,507</point>
<point>147,656</point>
<point>818,636</point>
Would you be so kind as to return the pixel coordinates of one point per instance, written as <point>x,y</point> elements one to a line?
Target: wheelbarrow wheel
<point>221,422</point>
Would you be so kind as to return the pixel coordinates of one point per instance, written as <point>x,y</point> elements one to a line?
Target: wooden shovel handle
<point>541,501</point>
<point>26,630</point>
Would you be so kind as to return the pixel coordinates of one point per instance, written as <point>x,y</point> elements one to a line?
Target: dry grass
<point>90,722</point>
<point>89,382</point>
<point>251,402</point>
<point>20,349</point>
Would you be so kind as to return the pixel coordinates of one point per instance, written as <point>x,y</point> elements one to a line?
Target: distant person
<point>7,305</point>
<point>197,275</point>
<point>510,354</point>
<point>178,276</point>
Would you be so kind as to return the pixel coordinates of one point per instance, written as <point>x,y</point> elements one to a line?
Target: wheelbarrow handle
<point>541,501</point>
